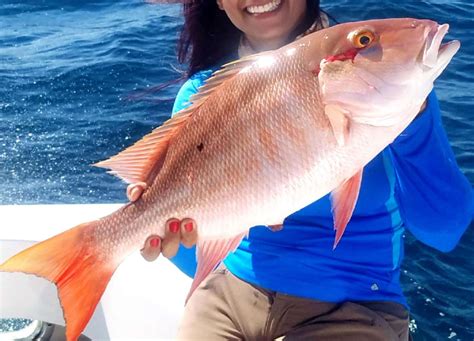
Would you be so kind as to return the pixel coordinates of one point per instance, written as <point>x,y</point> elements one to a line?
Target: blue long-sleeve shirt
<point>413,184</point>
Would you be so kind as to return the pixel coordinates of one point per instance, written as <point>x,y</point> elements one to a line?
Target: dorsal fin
<point>143,160</point>
<point>219,77</point>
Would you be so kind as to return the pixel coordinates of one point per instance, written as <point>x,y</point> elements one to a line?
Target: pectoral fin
<point>343,200</point>
<point>340,123</point>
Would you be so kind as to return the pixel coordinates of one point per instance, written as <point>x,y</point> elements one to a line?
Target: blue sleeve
<point>435,198</point>
<point>185,259</point>
<point>189,88</point>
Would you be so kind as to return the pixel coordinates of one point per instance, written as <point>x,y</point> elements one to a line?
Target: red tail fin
<point>70,261</point>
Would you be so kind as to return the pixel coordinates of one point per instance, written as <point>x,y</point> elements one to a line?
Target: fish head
<point>379,72</point>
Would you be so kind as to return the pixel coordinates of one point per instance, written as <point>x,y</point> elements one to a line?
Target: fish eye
<point>363,38</point>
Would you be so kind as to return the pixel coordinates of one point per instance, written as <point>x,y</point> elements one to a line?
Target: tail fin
<point>72,262</point>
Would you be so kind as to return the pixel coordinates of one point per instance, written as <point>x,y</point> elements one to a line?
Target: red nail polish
<point>188,227</point>
<point>174,226</point>
<point>154,242</point>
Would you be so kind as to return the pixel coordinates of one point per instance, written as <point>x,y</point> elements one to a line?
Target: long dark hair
<point>208,36</point>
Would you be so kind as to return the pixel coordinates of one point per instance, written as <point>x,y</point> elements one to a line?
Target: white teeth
<point>270,7</point>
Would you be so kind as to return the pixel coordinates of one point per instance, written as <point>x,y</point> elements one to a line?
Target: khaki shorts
<point>224,307</point>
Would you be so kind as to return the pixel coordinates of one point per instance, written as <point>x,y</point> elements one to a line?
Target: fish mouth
<point>435,53</point>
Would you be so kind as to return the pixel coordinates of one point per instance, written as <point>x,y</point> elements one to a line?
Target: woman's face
<point>266,24</point>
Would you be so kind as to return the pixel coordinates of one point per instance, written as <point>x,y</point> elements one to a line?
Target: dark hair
<point>208,36</point>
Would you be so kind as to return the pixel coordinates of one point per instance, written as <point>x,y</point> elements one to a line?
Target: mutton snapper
<point>266,136</point>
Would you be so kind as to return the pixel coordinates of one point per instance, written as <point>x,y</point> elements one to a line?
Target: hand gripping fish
<point>265,136</point>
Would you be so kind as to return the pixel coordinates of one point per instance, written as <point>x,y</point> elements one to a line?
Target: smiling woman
<point>255,269</point>
<point>366,54</point>
<point>225,21</point>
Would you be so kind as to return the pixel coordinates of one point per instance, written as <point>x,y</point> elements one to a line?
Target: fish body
<point>266,136</point>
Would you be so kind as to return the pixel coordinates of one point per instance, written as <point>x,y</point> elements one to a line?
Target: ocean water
<point>69,71</point>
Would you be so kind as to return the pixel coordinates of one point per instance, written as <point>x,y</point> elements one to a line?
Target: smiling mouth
<point>268,7</point>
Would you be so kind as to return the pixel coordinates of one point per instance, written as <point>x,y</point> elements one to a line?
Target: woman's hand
<point>135,191</point>
<point>422,108</point>
<point>176,231</point>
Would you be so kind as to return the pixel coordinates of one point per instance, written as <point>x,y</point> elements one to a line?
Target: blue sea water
<point>69,68</point>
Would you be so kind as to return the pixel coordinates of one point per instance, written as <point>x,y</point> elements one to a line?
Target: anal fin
<point>209,254</point>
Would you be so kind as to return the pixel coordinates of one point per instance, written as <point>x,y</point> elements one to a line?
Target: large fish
<point>266,136</point>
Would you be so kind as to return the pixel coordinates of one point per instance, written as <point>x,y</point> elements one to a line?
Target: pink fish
<point>266,136</point>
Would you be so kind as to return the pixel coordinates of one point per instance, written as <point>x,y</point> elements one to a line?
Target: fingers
<point>276,228</point>
<point>152,248</point>
<point>188,232</point>
<point>135,191</point>
<point>172,238</point>
<point>176,232</point>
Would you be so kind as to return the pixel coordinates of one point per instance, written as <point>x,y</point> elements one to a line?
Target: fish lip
<point>433,45</point>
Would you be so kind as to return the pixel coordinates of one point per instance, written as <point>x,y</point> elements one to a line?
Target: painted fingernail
<point>174,226</point>
<point>154,242</point>
<point>188,227</point>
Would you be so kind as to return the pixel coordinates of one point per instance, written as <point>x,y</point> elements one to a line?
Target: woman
<point>286,283</point>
